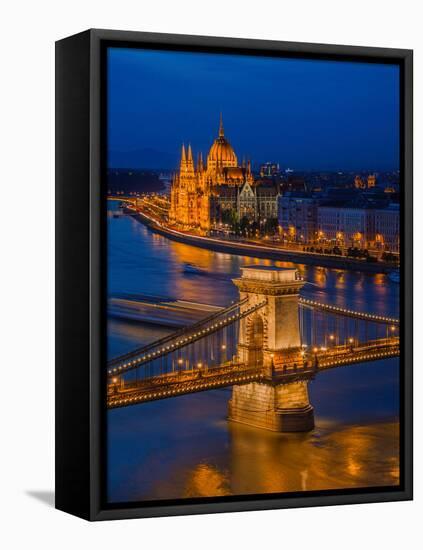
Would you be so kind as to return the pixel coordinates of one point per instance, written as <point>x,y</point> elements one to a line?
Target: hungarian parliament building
<point>205,195</point>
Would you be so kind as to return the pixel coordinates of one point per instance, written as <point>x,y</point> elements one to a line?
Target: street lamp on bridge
<point>224,352</point>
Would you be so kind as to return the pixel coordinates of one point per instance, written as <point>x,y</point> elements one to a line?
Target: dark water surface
<point>184,447</point>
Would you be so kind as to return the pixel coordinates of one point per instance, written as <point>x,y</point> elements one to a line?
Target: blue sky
<point>305,114</point>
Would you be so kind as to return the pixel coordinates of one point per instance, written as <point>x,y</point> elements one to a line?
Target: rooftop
<point>268,268</point>
<point>270,274</point>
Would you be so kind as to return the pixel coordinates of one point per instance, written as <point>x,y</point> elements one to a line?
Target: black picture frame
<point>80,279</point>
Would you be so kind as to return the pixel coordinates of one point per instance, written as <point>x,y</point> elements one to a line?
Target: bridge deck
<point>173,384</point>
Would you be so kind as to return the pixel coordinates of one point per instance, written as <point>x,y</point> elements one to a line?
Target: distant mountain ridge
<point>154,159</point>
<point>143,159</point>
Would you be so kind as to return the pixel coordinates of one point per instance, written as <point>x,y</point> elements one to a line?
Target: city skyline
<point>304,114</point>
<point>240,298</point>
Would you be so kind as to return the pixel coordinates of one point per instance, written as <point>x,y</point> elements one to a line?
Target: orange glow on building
<point>204,195</point>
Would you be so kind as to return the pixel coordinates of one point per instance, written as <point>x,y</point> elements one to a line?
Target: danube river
<point>185,447</point>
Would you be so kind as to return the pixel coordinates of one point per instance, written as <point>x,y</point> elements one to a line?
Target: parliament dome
<point>221,152</point>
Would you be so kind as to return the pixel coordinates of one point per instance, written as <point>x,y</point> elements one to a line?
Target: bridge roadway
<point>122,394</point>
<point>122,198</point>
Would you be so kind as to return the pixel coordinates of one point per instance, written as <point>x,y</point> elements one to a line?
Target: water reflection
<point>345,457</point>
<point>124,336</point>
<point>206,480</point>
<point>143,262</point>
<point>184,447</point>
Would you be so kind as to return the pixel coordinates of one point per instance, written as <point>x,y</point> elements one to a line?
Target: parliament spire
<point>221,130</point>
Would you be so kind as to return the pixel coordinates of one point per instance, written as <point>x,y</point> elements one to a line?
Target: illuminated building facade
<point>359,183</point>
<point>346,226</point>
<point>298,217</point>
<point>269,169</point>
<point>383,228</point>
<point>362,223</point>
<point>204,195</point>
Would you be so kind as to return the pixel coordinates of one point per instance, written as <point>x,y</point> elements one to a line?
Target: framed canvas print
<point>234,274</point>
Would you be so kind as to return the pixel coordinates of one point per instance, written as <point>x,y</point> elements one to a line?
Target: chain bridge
<point>268,346</point>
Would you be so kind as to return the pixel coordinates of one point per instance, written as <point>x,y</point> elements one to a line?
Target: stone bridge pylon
<point>269,338</point>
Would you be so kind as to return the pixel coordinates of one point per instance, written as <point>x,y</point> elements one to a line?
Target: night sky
<point>304,114</point>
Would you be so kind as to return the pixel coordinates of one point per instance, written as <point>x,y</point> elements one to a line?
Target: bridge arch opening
<point>256,341</point>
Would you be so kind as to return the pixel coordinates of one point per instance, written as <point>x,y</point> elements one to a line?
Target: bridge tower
<point>270,338</point>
